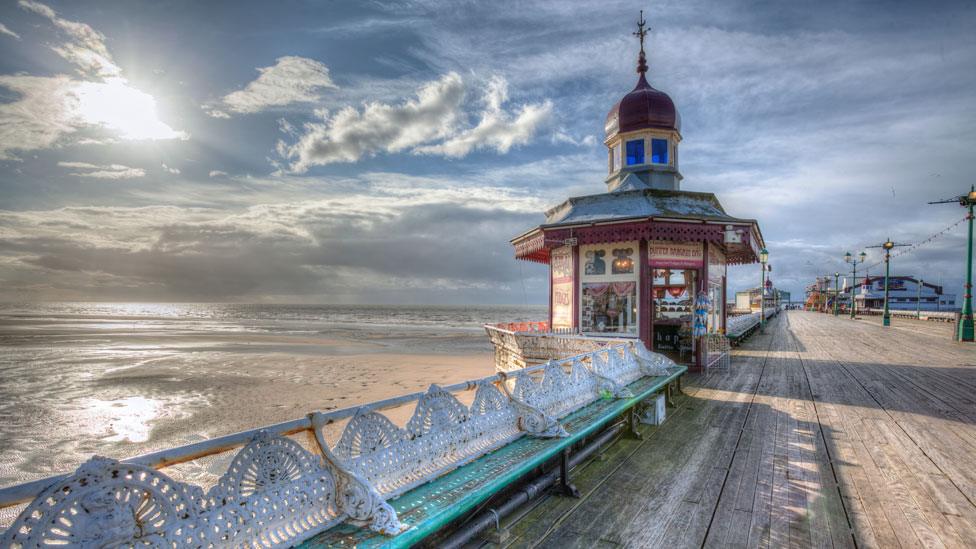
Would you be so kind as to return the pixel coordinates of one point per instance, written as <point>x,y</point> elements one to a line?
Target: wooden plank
<point>825,431</point>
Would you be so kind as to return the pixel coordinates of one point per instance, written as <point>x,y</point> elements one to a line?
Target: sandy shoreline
<point>78,392</point>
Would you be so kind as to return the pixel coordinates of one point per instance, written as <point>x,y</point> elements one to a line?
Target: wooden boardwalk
<point>825,432</point>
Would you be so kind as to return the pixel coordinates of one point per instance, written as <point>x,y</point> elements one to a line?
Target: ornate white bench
<point>277,493</point>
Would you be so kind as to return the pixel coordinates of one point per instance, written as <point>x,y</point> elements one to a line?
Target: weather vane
<point>641,33</point>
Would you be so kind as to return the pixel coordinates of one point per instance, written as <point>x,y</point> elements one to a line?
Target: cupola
<point>642,133</point>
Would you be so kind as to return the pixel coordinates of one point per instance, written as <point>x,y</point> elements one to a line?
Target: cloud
<point>427,124</point>
<point>174,171</point>
<point>85,47</point>
<point>45,111</point>
<point>497,129</point>
<point>8,32</point>
<point>217,173</point>
<point>371,245</point>
<point>290,80</point>
<point>49,108</point>
<point>109,171</point>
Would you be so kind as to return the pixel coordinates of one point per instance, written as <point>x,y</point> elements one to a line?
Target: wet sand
<point>125,387</point>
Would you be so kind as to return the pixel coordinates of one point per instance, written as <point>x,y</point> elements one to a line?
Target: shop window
<point>674,294</point>
<point>608,290</point>
<point>635,152</point>
<point>609,307</point>
<point>659,151</point>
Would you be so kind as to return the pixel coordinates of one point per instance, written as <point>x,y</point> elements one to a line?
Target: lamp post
<point>886,246</point>
<point>886,316</point>
<point>965,327</point>
<point>836,292</point>
<point>918,299</point>
<point>854,261</point>
<point>763,258</point>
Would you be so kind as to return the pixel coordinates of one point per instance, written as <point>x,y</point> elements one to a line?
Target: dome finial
<point>640,34</point>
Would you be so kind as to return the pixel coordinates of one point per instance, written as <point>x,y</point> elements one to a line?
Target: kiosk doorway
<point>673,299</point>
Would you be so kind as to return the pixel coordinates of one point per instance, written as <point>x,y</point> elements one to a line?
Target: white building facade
<point>905,293</point>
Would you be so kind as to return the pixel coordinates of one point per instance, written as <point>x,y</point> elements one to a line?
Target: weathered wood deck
<point>825,432</point>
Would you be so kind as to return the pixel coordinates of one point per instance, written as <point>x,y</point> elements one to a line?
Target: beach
<point>122,380</point>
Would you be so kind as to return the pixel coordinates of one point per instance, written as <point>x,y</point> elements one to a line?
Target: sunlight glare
<point>118,106</point>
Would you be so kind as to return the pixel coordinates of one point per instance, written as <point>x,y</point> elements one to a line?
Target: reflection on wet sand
<point>83,383</point>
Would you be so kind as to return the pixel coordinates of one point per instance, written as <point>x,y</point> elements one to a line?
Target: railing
<point>939,316</point>
<point>278,491</point>
<point>737,327</point>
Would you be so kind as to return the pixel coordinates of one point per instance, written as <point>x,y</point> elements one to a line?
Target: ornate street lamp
<point>848,258</point>
<point>887,246</point>
<point>836,292</point>
<point>966,327</point>
<point>763,258</point>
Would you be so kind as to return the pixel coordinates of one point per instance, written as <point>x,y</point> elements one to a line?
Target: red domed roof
<point>643,108</point>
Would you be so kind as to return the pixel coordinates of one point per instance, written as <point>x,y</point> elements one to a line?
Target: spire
<point>640,34</point>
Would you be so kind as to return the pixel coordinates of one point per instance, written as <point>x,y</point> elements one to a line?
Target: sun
<point>119,107</point>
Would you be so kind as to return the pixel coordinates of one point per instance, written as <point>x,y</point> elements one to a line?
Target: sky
<point>374,152</point>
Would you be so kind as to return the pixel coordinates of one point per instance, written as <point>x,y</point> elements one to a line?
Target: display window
<point>608,289</point>
<point>673,309</point>
<point>674,291</point>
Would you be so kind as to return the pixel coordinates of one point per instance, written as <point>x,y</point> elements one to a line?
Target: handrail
<point>909,313</point>
<point>20,493</point>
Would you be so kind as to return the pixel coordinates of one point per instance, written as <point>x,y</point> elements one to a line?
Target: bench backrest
<point>277,493</point>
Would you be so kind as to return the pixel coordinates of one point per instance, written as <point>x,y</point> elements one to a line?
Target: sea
<point>118,379</point>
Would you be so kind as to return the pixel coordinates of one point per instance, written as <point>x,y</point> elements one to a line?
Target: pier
<point>824,432</point>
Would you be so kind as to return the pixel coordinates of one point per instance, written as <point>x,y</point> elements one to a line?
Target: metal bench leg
<point>633,422</point>
<point>565,487</point>
<point>669,395</point>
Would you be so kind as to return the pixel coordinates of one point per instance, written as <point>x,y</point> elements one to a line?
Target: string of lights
<point>921,243</point>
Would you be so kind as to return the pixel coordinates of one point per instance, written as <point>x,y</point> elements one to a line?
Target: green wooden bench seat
<point>429,507</point>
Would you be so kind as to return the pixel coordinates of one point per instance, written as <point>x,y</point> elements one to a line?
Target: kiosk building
<point>630,262</point>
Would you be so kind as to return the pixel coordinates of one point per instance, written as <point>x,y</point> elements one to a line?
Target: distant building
<point>748,300</point>
<point>903,294</point>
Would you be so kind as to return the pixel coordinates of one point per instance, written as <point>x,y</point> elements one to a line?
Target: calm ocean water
<point>279,316</point>
<point>119,379</point>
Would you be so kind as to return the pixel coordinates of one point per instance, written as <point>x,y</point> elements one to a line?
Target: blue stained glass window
<point>635,152</point>
<point>659,151</point>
